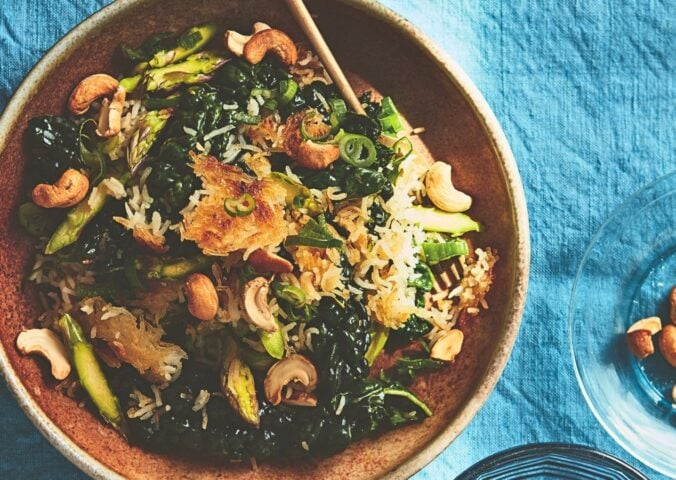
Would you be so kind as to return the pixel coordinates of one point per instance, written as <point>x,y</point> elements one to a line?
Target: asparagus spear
<point>192,40</point>
<point>145,136</point>
<point>195,69</point>
<point>90,374</point>
<point>77,219</point>
<point>179,268</point>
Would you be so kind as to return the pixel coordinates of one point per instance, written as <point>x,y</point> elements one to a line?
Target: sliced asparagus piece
<point>144,138</point>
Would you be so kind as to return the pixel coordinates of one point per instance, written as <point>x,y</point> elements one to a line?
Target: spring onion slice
<point>389,117</point>
<point>438,252</point>
<point>312,127</point>
<point>270,104</point>
<point>357,150</point>
<point>240,206</point>
<point>287,90</point>
<point>294,295</point>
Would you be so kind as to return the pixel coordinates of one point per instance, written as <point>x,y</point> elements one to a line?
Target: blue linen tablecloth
<point>585,93</point>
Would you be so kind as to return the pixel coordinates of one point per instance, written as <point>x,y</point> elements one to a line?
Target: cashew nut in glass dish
<point>639,336</point>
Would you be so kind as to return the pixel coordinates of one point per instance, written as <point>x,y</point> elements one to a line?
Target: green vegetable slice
<point>287,90</point>
<point>179,268</point>
<point>188,43</point>
<point>240,206</point>
<point>89,372</point>
<point>314,234</point>
<point>378,341</point>
<point>389,117</point>
<point>438,252</point>
<point>435,220</point>
<point>273,341</point>
<point>294,295</point>
<point>357,150</point>
<point>312,127</point>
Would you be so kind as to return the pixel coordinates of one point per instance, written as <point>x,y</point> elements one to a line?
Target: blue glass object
<point>626,275</point>
<point>551,461</point>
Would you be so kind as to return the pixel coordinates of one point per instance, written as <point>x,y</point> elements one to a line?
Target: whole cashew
<point>448,346</point>
<point>441,191</point>
<point>668,344</point>
<point>271,40</point>
<point>88,90</point>
<point>110,117</point>
<point>235,41</point>
<point>46,343</point>
<point>202,296</point>
<point>68,190</point>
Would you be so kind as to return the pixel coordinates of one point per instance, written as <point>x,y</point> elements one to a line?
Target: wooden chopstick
<point>307,23</point>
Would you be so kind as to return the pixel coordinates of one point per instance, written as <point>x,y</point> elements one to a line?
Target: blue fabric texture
<point>585,93</point>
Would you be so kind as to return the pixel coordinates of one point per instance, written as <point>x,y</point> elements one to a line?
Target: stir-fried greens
<point>228,249</point>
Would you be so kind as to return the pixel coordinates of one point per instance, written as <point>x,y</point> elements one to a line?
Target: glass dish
<point>625,275</point>
<point>551,461</point>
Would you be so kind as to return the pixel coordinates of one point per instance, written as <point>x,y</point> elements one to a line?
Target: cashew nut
<point>299,374</point>
<point>256,308</point>
<point>271,40</point>
<point>235,41</point>
<point>308,154</point>
<point>110,116</point>
<point>672,301</point>
<point>441,191</point>
<point>639,336</point>
<point>88,90</point>
<point>317,156</point>
<point>651,324</point>
<point>46,343</point>
<point>640,343</point>
<point>202,296</point>
<point>263,261</point>
<point>68,190</point>
<point>448,346</point>
<point>668,344</point>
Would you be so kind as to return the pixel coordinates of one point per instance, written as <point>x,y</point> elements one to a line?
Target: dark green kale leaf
<point>53,147</point>
<point>414,329</point>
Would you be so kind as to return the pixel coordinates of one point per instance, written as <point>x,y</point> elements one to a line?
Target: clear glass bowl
<point>551,461</point>
<point>625,275</point>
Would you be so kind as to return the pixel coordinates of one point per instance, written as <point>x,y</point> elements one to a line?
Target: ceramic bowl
<point>380,51</point>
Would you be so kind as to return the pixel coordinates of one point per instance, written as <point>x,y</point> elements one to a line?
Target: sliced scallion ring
<point>287,90</point>
<point>294,295</point>
<point>402,149</point>
<point>357,150</point>
<point>240,206</point>
<point>270,104</point>
<point>312,127</point>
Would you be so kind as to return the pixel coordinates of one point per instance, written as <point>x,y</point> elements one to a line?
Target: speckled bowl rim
<point>109,14</point>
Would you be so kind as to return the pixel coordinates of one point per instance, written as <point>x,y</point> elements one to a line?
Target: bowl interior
<point>376,56</point>
<point>626,275</point>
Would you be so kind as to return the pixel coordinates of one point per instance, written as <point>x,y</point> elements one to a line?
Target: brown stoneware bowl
<point>380,51</point>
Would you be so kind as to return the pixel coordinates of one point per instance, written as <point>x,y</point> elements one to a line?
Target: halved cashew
<point>317,156</point>
<point>668,344</point>
<point>46,343</point>
<point>639,336</point>
<point>651,324</point>
<point>448,346</point>
<point>296,372</point>
<point>235,41</point>
<point>256,308</point>
<point>68,190</point>
<point>202,296</point>
<point>263,261</point>
<point>110,116</point>
<point>441,191</point>
<point>90,89</point>
<point>672,301</point>
<point>273,41</point>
